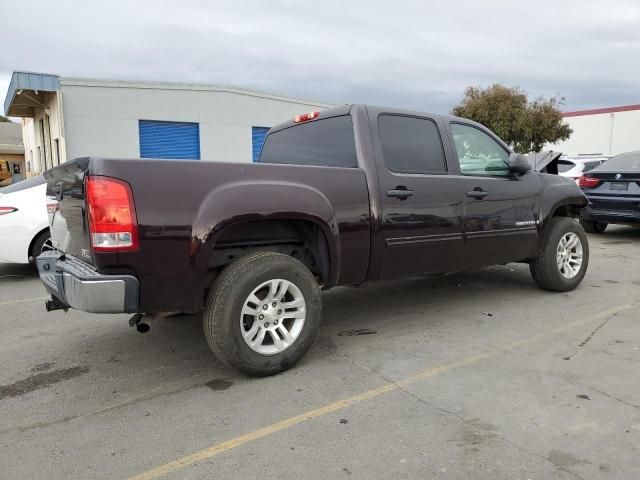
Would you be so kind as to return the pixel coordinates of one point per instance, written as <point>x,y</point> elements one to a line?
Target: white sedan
<point>24,222</point>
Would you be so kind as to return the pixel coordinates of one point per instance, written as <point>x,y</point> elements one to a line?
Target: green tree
<point>4,119</point>
<point>526,125</point>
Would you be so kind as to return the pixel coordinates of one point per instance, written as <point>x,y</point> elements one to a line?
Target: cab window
<point>478,153</point>
<point>411,145</point>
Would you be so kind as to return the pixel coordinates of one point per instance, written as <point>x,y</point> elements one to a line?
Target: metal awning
<point>27,91</point>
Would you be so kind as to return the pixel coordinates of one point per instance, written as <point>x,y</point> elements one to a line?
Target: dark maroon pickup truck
<point>338,197</point>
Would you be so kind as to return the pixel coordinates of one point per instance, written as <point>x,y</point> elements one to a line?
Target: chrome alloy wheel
<point>273,316</point>
<point>569,255</point>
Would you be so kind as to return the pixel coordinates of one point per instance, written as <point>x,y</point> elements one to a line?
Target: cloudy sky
<point>414,54</point>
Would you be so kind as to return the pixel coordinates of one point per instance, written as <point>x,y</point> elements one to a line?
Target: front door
<point>500,209</point>
<point>421,212</point>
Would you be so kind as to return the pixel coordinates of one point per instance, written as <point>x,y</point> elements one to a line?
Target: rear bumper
<point>610,216</point>
<point>612,209</point>
<point>78,285</point>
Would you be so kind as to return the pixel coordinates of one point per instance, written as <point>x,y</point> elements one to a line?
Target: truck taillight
<point>113,225</point>
<point>305,117</point>
<point>588,182</point>
<point>7,210</point>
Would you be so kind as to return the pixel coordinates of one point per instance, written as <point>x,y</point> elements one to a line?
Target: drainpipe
<point>612,115</point>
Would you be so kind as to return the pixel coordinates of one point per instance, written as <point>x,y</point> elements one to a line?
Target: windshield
<point>565,166</point>
<point>31,182</point>
<point>588,166</point>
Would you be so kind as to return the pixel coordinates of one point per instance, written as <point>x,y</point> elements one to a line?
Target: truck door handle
<point>400,193</point>
<point>477,194</point>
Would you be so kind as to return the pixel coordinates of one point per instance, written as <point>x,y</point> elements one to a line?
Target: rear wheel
<point>591,226</point>
<point>563,262</point>
<point>263,313</point>
<point>41,244</point>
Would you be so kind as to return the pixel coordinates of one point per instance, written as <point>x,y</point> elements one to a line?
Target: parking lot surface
<point>478,375</point>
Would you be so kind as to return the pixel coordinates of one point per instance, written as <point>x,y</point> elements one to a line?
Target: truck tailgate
<point>69,229</point>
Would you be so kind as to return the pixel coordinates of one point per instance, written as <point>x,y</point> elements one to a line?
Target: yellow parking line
<point>368,395</point>
<point>24,300</point>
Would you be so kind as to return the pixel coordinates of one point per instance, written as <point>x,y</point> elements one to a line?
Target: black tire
<point>591,226</point>
<point>544,269</point>
<point>227,297</point>
<point>38,243</point>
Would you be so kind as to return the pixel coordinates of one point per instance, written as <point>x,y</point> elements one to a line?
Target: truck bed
<point>179,207</point>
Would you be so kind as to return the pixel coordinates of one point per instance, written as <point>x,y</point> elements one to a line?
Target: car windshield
<point>31,182</point>
<point>624,161</point>
<point>588,166</point>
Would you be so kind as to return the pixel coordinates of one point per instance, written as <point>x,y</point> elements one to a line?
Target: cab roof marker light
<point>305,117</point>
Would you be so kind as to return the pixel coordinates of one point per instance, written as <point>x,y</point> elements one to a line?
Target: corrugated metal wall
<point>173,140</point>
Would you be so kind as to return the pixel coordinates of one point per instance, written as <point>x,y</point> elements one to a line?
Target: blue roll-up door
<point>258,135</point>
<point>176,140</point>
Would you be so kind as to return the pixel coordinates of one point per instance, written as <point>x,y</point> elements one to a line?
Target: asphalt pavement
<point>479,375</point>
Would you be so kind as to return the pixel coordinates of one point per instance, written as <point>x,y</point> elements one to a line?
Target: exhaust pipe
<point>136,321</point>
<point>144,327</point>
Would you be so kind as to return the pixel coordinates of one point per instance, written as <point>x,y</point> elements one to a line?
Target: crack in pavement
<point>485,430</point>
<point>456,416</point>
<point>624,402</point>
<point>131,401</point>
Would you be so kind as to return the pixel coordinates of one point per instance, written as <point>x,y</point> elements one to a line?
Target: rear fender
<point>239,202</point>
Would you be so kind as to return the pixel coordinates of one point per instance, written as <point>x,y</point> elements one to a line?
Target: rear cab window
<point>411,144</point>
<point>327,142</point>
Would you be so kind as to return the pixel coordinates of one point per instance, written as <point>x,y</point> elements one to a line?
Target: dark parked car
<point>339,197</point>
<point>613,191</point>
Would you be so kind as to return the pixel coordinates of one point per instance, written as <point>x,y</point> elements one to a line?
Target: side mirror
<point>519,163</point>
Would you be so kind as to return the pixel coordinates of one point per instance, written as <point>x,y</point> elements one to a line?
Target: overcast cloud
<point>414,54</point>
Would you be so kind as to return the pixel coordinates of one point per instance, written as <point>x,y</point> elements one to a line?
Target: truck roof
<point>346,109</point>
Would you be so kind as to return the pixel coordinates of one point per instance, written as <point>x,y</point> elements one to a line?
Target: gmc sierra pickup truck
<point>339,197</point>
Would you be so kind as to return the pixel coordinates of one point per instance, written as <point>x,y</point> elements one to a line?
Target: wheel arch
<point>33,240</point>
<point>241,206</point>
<point>560,198</point>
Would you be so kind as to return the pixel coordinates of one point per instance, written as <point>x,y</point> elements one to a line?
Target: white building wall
<point>41,152</point>
<point>602,133</point>
<point>101,119</point>
<point>29,141</point>
<point>626,131</point>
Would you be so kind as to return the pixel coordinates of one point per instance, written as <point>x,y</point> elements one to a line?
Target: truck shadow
<point>119,365</point>
<point>617,235</point>
<point>17,270</point>
<point>175,347</point>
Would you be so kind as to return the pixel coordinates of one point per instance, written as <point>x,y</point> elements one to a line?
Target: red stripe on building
<point>596,111</point>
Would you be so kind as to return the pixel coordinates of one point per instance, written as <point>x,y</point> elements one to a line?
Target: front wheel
<point>564,258</point>
<point>263,313</point>
<point>591,226</point>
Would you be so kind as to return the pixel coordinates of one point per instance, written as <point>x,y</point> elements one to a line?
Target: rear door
<point>421,213</point>
<point>501,210</point>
